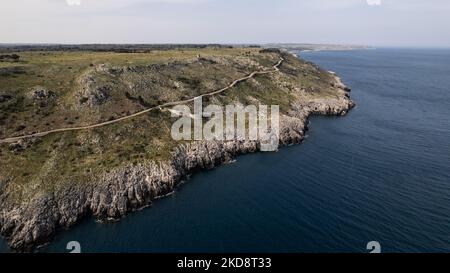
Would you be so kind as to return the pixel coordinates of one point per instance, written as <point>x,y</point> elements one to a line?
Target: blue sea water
<point>382,173</point>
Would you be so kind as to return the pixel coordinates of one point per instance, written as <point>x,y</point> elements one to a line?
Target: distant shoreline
<point>317,47</point>
<point>143,48</point>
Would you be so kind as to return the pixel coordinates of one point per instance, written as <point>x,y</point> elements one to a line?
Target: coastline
<point>133,188</point>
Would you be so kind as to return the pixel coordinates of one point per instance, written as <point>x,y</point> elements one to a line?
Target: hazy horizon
<point>237,44</point>
<point>377,23</point>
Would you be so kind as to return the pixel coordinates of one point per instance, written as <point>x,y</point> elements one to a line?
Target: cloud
<point>374,2</point>
<point>111,4</point>
<point>398,22</point>
<point>73,2</point>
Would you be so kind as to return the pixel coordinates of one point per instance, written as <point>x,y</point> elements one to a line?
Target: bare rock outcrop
<point>41,94</point>
<point>91,92</point>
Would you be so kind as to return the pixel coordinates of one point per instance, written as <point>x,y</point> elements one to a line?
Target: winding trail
<point>159,107</point>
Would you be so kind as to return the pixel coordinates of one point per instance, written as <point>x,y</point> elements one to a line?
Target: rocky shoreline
<point>131,188</point>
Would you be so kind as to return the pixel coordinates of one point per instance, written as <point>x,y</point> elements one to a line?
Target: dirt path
<point>169,104</point>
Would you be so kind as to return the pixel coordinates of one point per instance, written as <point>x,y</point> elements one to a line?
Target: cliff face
<point>134,186</point>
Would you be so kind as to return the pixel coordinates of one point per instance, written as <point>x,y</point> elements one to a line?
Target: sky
<point>402,23</point>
